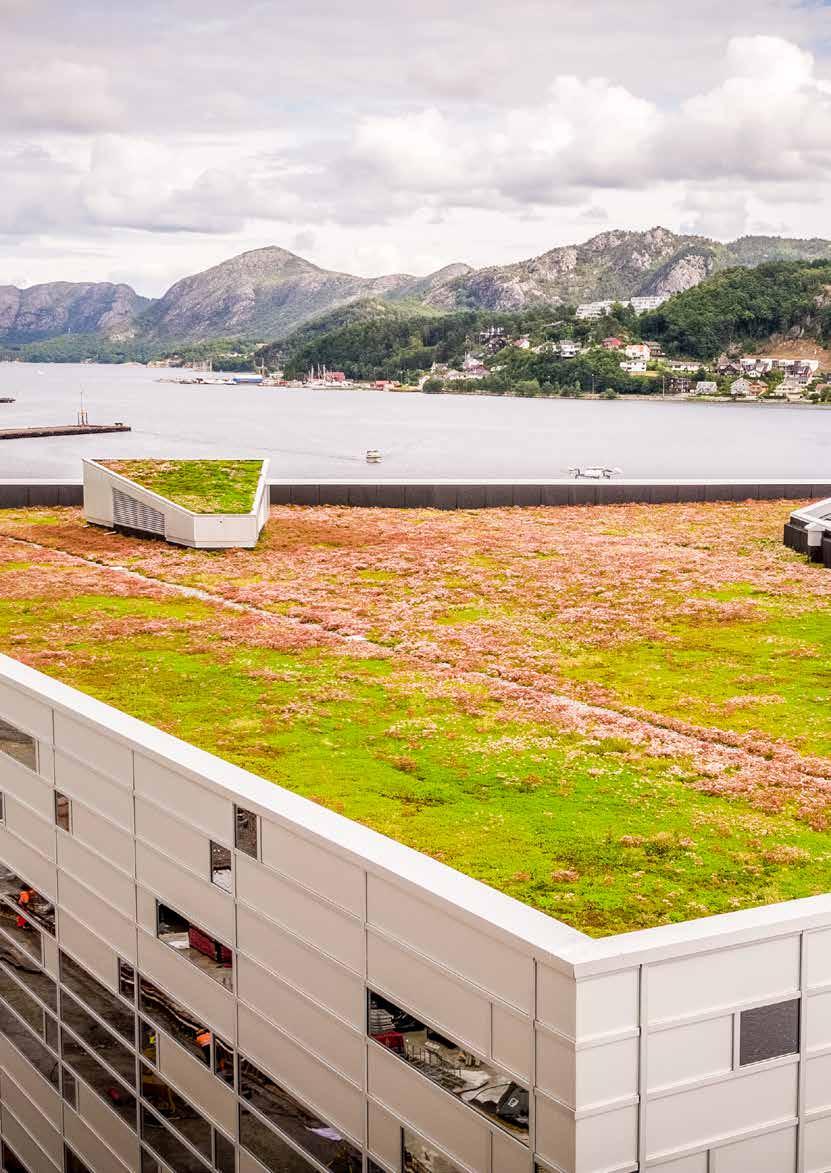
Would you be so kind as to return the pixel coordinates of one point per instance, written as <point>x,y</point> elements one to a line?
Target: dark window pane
<point>95,995</point>
<point>73,1164</point>
<point>162,1140</point>
<point>28,1045</point>
<point>24,934</point>
<point>126,981</point>
<point>149,1164</point>
<point>28,904</point>
<point>276,1154</point>
<point>28,973</point>
<point>148,1043</point>
<point>314,1134</point>
<point>371,1167</point>
<point>175,1018</point>
<point>50,1032</point>
<point>475,1082</point>
<point>69,1087</point>
<point>18,745</point>
<point>176,1110</point>
<point>63,811</point>
<point>245,831</point>
<point>99,1078</point>
<point>224,1061</point>
<point>11,1162</point>
<point>223,1153</point>
<point>768,1031</point>
<point>221,867</point>
<point>2,807</point>
<point>421,1157</point>
<point>29,1010</point>
<point>105,1045</point>
<point>200,948</point>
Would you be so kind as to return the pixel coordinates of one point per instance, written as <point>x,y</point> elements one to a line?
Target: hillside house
<point>523,343</point>
<point>706,387</point>
<point>611,344</point>
<point>638,350</point>
<point>634,366</point>
<point>568,348</point>
<point>746,388</point>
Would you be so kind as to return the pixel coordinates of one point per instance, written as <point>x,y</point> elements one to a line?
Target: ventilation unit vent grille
<point>133,515</point>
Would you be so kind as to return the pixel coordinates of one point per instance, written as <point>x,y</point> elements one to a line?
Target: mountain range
<point>267,293</point>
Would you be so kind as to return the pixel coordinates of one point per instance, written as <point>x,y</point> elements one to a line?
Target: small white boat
<point>373,456</point>
<point>595,473</point>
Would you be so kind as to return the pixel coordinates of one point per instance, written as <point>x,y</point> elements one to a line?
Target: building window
<point>224,1155</point>
<point>768,1031</point>
<point>221,867</point>
<point>99,999</point>
<point>16,962</point>
<point>25,1006</point>
<point>171,1150</point>
<point>2,807</point>
<point>28,904</point>
<point>199,947</point>
<point>245,831</point>
<point>297,1122</point>
<point>176,1110</point>
<point>417,1156</point>
<point>182,1024</point>
<point>470,1079</point>
<point>269,1148</point>
<point>148,1042</point>
<point>224,1061</point>
<point>19,929</point>
<point>149,1164</point>
<point>73,1164</point>
<point>98,1038</point>
<point>99,1078</point>
<point>33,1049</point>
<point>11,1162</point>
<point>63,811</point>
<point>126,981</point>
<point>18,745</point>
<point>69,1088</point>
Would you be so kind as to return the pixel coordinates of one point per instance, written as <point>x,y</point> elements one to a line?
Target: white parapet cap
<point>501,916</point>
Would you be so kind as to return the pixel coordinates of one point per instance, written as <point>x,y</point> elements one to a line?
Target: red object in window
<point>393,1039</point>
<point>207,945</point>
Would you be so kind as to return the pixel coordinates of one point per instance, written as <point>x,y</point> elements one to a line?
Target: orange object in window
<point>203,1039</point>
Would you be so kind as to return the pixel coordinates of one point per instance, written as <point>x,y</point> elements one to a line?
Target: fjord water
<point>325,434</point>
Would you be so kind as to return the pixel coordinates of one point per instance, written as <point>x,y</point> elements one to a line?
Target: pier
<point>61,430</point>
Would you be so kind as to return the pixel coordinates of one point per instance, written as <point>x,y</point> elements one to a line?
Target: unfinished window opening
<point>18,745</point>
<point>187,1029</point>
<point>224,1154</point>
<point>126,981</point>
<point>102,1081</point>
<point>271,1150</point>
<point>179,1113</point>
<point>97,997</point>
<point>33,1049</point>
<point>63,812</point>
<point>221,867</point>
<point>194,944</point>
<point>98,1038</point>
<point>23,967</point>
<point>73,1163</point>
<point>171,1150</point>
<point>245,831</point>
<point>766,1032</point>
<point>69,1088</point>
<point>28,904</point>
<point>11,1162</point>
<point>479,1084</point>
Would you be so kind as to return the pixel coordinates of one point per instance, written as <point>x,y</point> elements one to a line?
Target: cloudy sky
<point>143,141</point>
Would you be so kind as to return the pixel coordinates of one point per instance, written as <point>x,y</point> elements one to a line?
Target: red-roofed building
<point>612,343</point>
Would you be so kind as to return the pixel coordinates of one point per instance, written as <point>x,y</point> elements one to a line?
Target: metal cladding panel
<point>41,873</point>
<point>384,1140</point>
<point>198,1083</point>
<point>30,715</point>
<point>512,1040</point>
<point>508,1156</point>
<point>818,1082</point>
<point>607,1004</point>
<point>104,837</point>
<point>608,1142</point>
<point>607,1073</point>
<point>302,966</point>
<point>134,514</point>
<point>190,848</point>
<point>28,787</point>
<point>117,930</point>
<point>308,1078</point>
<point>109,1127</point>
<point>32,828</point>
<point>92,870</point>
<point>720,1110</point>
<point>330,930</point>
<point>693,1051</point>
<point>423,989</point>
<point>24,1147</point>
<point>335,1042</point>
<point>773,1153</point>
<point>41,1093</point>
<point>188,985</point>
<point>818,1024</point>
<point>249,1164</point>
<point>88,949</point>
<point>30,1116</point>
<point>557,1000</point>
<point>91,1149</point>
<point>556,1134</point>
<point>90,745</point>
<point>430,1110</point>
<point>200,805</point>
<point>79,781</point>
<point>818,1145</point>
<point>697,1163</point>
<point>818,958</point>
<point>205,904</point>
<point>324,872</point>
<point>451,941</point>
<point>557,1067</point>
<point>724,978</point>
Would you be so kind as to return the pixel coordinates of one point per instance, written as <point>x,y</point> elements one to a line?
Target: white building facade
<point>202,971</point>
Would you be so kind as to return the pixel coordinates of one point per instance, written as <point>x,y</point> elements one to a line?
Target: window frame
<point>35,769</point>
<point>789,1056</point>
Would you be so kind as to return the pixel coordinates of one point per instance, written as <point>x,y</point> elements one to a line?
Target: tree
<point>433,387</point>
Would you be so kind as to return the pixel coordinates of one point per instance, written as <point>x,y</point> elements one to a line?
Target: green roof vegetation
<point>203,486</point>
<point>617,715</point>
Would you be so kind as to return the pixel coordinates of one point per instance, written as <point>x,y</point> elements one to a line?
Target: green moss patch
<point>203,486</point>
